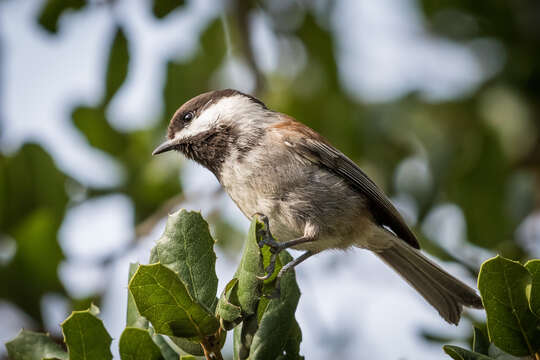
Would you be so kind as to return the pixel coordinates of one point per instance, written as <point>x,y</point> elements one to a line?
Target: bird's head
<point>205,127</point>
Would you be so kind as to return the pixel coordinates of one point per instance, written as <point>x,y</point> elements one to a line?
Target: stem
<point>212,346</point>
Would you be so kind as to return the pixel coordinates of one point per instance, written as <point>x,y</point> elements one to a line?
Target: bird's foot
<point>266,238</point>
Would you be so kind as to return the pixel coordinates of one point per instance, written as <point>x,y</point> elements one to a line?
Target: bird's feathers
<point>313,147</point>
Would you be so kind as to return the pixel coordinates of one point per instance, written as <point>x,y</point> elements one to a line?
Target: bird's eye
<point>188,116</point>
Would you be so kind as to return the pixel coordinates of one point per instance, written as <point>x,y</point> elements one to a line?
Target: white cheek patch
<point>226,110</point>
<point>203,123</point>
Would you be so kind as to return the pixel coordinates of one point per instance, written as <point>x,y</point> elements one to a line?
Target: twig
<point>241,10</point>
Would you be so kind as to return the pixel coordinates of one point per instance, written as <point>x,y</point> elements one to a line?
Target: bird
<point>310,196</point>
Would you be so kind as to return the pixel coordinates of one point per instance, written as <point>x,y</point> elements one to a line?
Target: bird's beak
<point>164,147</point>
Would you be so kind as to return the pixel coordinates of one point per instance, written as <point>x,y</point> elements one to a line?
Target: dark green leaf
<point>187,248</point>
<point>458,353</point>
<point>480,341</point>
<point>163,299</point>
<point>162,8</point>
<point>249,287</point>
<point>118,65</point>
<point>230,314</point>
<point>134,319</point>
<point>497,354</point>
<point>53,9</point>
<point>243,337</point>
<point>188,346</point>
<point>511,325</point>
<point>292,347</point>
<point>277,319</point>
<point>86,337</point>
<point>137,344</point>
<point>534,296</point>
<point>29,345</point>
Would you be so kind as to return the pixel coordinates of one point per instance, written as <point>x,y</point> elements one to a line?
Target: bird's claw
<point>267,239</point>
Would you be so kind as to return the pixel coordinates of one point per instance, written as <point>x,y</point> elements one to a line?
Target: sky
<point>352,305</point>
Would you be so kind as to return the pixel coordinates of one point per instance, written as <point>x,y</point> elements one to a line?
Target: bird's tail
<point>443,291</point>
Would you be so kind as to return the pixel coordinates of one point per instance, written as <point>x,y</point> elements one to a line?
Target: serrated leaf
<point>117,66</point>
<point>137,344</point>
<point>187,248</point>
<point>29,345</point>
<point>533,266</point>
<point>86,337</point>
<point>480,341</point>
<point>277,319</point>
<point>135,319</point>
<point>53,9</point>
<point>249,286</point>
<point>511,325</point>
<point>163,299</point>
<point>162,8</point>
<point>458,353</point>
<point>230,314</point>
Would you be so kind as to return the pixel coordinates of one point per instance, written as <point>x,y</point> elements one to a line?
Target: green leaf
<point>187,248</point>
<point>162,8</point>
<point>137,344</point>
<point>134,319</point>
<point>497,354</point>
<point>29,345</point>
<point>511,325</point>
<point>163,299</point>
<point>118,64</point>
<point>53,9</point>
<point>480,341</point>
<point>249,286</point>
<point>458,353</point>
<point>277,319</point>
<point>534,295</point>
<point>85,336</point>
<point>243,337</point>
<point>166,350</point>
<point>292,346</point>
<point>230,314</point>
<point>188,346</point>
<point>187,357</point>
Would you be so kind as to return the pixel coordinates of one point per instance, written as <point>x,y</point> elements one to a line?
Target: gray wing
<point>384,212</point>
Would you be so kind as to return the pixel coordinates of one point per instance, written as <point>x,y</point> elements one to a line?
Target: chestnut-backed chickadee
<point>315,198</point>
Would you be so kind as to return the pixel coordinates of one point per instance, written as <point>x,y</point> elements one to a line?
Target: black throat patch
<point>210,148</point>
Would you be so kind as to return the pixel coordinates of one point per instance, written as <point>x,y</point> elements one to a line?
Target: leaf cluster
<point>511,297</point>
<point>173,309</point>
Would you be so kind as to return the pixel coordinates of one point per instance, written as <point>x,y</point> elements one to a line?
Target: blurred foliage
<point>509,293</point>
<point>482,149</point>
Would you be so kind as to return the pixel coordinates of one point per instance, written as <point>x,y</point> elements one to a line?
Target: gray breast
<point>292,192</point>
